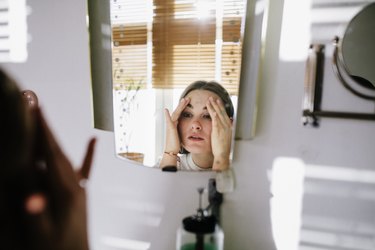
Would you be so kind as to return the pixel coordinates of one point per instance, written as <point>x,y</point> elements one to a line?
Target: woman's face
<point>195,125</point>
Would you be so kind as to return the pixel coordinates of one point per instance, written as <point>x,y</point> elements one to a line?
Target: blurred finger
<point>84,172</point>
<point>58,166</point>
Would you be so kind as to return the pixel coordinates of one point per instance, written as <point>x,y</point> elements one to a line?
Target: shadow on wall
<point>322,207</point>
<point>338,209</point>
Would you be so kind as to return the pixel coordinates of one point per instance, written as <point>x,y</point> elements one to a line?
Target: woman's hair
<point>214,87</point>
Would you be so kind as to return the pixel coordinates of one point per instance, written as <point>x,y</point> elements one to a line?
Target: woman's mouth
<point>195,138</point>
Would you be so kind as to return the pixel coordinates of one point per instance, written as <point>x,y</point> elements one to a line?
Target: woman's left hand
<point>221,135</point>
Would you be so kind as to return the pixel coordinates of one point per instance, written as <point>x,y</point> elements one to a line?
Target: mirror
<point>160,47</point>
<point>352,61</point>
<point>358,50</point>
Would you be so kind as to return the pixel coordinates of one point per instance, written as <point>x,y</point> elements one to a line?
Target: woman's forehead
<point>200,96</point>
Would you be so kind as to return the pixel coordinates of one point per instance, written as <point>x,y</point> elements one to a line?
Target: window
<point>171,43</point>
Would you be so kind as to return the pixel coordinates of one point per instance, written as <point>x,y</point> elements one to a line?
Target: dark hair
<point>214,87</point>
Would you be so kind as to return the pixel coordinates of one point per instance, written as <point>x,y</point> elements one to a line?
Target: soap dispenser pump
<point>200,231</point>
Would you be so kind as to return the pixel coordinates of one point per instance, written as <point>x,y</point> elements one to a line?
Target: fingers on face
<point>181,106</point>
<point>217,111</point>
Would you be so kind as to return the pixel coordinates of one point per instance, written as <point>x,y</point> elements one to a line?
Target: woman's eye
<point>186,115</point>
<point>207,116</point>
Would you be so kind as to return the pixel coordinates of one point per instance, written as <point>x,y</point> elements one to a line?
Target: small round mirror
<point>358,47</point>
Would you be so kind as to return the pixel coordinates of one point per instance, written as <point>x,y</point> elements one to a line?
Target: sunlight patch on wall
<point>127,244</point>
<point>13,31</point>
<point>340,214</point>
<point>286,205</point>
<point>151,213</point>
<point>340,14</point>
<point>332,240</point>
<point>295,30</point>
<point>340,174</point>
<point>336,232</point>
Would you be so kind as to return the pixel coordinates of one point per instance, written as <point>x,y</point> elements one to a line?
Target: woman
<point>199,131</point>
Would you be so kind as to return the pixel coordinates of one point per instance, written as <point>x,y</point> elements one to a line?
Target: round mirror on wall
<point>358,48</point>
<point>352,63</point>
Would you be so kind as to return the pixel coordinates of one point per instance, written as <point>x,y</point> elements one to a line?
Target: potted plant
<point>127,91</point>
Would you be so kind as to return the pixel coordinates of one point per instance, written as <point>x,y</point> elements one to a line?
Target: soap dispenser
<point>200,231</point>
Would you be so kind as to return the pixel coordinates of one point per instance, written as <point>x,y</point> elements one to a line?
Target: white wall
<point>139,204</point>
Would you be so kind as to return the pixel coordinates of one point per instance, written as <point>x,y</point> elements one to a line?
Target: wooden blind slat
<point>183,46</point>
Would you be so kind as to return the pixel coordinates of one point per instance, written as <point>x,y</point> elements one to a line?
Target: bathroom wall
<point>138,208</point>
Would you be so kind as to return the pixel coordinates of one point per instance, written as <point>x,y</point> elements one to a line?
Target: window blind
<point>171,43</point>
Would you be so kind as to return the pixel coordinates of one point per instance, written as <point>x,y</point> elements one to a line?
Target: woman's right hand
<point>172,141</point>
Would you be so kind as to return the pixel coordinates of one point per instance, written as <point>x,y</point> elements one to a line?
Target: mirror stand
<point>313,87</point>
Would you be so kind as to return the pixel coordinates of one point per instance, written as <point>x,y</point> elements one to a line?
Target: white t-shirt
<point>186,163</point>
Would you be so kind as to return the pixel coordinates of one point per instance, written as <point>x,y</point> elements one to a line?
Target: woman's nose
<point>196,125</point>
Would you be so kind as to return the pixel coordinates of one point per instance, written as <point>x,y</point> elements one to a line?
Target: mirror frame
<point>100,40</point>
<point>101,70</point>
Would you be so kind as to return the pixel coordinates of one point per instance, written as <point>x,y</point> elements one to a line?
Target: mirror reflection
<point>199,131</point>
<point>160,48</point>
<point>358,51</point>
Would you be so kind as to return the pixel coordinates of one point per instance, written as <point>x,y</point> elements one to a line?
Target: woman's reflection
<point>199,131</point>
